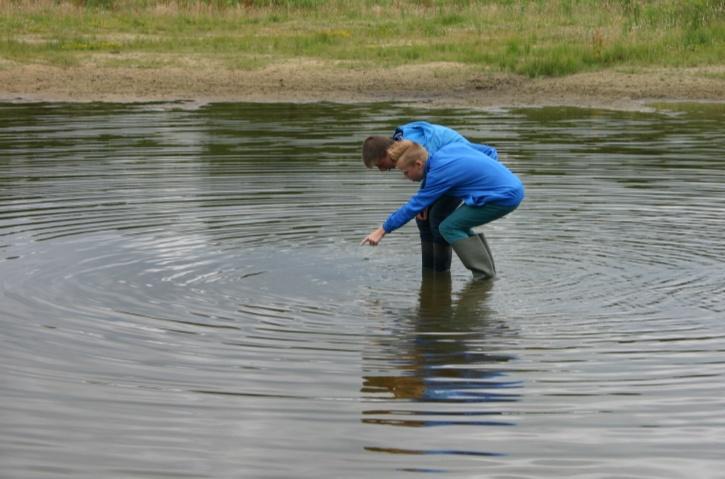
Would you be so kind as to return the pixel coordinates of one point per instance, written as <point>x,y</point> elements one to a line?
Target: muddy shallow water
<point>183,295</point>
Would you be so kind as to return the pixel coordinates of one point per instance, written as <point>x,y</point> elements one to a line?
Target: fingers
<point>373,238</point>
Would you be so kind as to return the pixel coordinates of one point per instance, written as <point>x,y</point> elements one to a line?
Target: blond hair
<point>405,153</point>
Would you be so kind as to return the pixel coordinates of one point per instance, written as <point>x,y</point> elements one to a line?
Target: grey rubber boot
<point>475,255</point>
<point>488,251</point>
<point>442,255</point>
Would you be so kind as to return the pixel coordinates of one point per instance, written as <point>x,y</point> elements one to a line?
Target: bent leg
<point>472,249</point>
<point>459,224</point>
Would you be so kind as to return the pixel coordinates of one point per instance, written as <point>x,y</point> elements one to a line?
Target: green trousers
<point>459,223</point>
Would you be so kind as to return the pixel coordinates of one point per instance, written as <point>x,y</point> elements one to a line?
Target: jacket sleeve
<point>426,196</point>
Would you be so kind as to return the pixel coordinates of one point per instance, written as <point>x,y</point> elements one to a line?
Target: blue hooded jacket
<point>464,172</point>
<point>434,137</point>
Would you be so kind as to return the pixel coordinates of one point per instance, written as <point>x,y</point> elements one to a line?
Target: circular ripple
<point>169,270</point>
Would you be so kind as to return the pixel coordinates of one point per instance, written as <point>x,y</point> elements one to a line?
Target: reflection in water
<point>438,359</point>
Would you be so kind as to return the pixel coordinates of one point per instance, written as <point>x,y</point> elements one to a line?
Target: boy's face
<point>385,163</point>
<point>413,172</point>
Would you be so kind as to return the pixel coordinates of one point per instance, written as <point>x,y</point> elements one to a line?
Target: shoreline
<point>306,81</point>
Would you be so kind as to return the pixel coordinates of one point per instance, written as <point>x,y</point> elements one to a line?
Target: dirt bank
<point>303,81</point>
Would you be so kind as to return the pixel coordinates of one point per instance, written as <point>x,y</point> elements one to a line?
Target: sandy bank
<point>440,84</point>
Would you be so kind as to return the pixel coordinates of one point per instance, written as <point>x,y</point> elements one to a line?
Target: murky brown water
<point>183,295</point>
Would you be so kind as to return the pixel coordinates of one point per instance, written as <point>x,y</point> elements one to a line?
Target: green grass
<point>528,37</point>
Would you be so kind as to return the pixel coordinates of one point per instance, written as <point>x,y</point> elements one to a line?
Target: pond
<point>183,294</point>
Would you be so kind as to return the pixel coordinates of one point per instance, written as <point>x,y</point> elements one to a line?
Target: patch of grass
<point>528,37</point>
<point>715,76</point>
<point>48,54</point>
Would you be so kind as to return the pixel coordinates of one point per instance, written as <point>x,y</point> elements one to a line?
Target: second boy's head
<point>375,153</point>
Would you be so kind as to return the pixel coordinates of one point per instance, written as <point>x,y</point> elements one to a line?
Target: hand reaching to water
<point>373,239</point>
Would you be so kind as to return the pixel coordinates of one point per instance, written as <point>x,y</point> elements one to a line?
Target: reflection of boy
<point>435,250</point>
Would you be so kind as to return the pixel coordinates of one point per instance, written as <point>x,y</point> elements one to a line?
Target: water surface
<point>183,295</point>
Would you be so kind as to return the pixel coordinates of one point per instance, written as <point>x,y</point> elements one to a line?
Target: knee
<point>437,236</point>
<point>447,232</point>
<point>453,232</point>
<point>436,229</point>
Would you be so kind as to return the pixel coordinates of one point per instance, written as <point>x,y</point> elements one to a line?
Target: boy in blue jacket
<point>435,250</point>
<point>486,187</point>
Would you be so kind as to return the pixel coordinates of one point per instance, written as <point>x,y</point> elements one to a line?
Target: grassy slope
<point>533,38</point>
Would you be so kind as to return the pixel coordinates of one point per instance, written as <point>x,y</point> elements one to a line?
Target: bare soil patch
<point>299,80</point>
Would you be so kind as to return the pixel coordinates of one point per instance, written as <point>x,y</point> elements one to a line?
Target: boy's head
<point>375,153</point>
<point>410,158</point>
